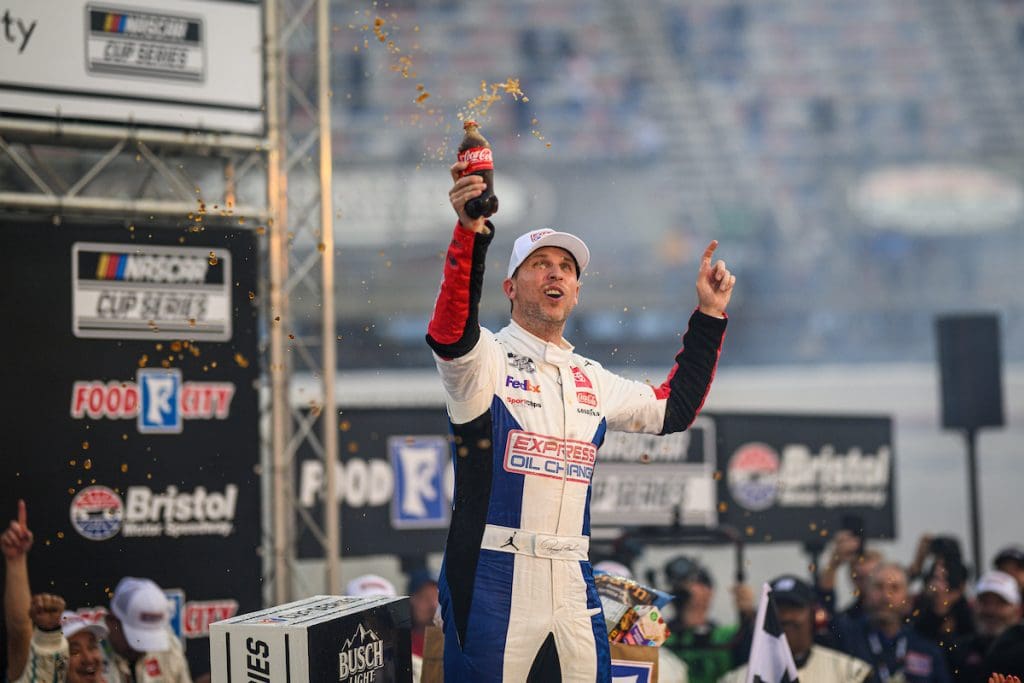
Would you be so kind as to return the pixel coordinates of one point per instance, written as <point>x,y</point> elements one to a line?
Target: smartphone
<point>855,525</point>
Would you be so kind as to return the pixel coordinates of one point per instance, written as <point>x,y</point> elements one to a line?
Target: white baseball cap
<point>369,585</point>
<point>1000,583</point>
<point>145,614</point>
<point>73,622</point>
<point>535,239</point>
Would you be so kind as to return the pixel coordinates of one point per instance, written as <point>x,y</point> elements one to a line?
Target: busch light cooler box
<point>326,638</point>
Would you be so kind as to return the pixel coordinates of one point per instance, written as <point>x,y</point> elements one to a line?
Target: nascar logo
<point>151,268</point>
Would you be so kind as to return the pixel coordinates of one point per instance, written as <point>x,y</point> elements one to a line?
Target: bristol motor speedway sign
<point>791,477</point>
<point>135,446</point>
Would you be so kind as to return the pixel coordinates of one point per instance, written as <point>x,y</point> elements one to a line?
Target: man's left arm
<point>676,402</point>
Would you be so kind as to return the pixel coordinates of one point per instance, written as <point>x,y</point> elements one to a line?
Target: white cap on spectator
<point>532,241</point>
<point>145,613</point>
<point>369,585</point>
<point>1000,583</point>
<point>72,623</point>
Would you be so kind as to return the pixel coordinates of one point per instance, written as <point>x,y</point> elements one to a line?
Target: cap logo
<point>785,585</point>
<point>534,236</point>
<point>151,617</point>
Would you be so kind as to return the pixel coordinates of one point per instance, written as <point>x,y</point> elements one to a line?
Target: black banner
<point>135,445</point>
<point>394,478</point>
<point>801,478</point>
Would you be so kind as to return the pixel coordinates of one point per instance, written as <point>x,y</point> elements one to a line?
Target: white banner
<point>192,64</point>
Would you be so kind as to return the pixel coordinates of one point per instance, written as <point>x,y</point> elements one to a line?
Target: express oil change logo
<point>545,456</point>
<point>753,476</point>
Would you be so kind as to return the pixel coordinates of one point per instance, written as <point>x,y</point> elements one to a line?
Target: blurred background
<point>861,164</point>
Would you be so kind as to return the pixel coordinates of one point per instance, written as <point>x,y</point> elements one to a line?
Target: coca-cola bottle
<point>477,151</point>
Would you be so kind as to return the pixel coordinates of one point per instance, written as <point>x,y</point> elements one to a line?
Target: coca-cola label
<point>478,158</point>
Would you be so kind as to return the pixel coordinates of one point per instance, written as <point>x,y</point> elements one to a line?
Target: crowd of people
<point>951,628</point>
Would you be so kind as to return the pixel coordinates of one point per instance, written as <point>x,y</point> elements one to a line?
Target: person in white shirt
<point>795,601</point>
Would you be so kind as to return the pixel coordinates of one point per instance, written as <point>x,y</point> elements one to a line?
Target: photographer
<point>709,649</point>
<point>942,613</point>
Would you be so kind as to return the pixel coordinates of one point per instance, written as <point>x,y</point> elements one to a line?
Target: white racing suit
<point>527,417</point>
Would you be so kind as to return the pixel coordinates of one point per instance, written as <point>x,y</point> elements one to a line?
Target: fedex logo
<point>545,456</point>
<point>582,381</point>
<point>524,384</point>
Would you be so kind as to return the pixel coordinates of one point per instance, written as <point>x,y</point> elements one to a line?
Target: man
<point>527,415</point>
<point>884,640</point>
<point>847,549</point>
<point>141,646</point>
<point>44,645</point>
<point>708,648</point>
<point>1011,560</point>
<point>795,602</point>
<point>997,607</point>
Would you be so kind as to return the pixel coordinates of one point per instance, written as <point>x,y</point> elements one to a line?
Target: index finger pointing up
<point>706,259</point>
<point>22,514</point>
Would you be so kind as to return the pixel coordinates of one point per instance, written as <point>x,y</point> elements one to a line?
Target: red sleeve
<point>454,328</point>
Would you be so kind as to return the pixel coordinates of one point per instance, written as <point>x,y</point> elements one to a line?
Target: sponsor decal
<point>546,456</point>
<point>521,363</point>
<point>760,479</point>
<point>523,384</point>
<point>97,513</point>
<point>478,158</point>
<point>589,411</point>
<point>534,236</point>
<point>144,43</point>
<point>581,379</point>
<point>199,614</point>
<point>159,401</point>
<point>522,402</point>
<point>419,463</point>
<point>587,398</point>
<point>150,292</point>
<point>753,476</point>
<point>633,672</point>
<point>159,405</point>
<point>833,478</point>
<point>257,662</point>
<point>361,656</point>
<point>152,667</point>
<point>919,664</point>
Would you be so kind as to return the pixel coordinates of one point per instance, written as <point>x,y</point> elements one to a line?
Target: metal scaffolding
<point>301,241</point>
<point>130,173</point>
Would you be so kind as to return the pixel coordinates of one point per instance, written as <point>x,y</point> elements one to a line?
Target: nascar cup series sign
<point>134,292</point>
<point>140,442</point>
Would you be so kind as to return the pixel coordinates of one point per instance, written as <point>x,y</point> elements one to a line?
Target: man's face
<point>700,595</point>
<point>797,623</point>
<point>423,605</point>
<point>994,615</point>
<point>861,570</point>
<point>85,661</point>
<point>887,594</point>
<point>117,639</point>
<point>544,289</point>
